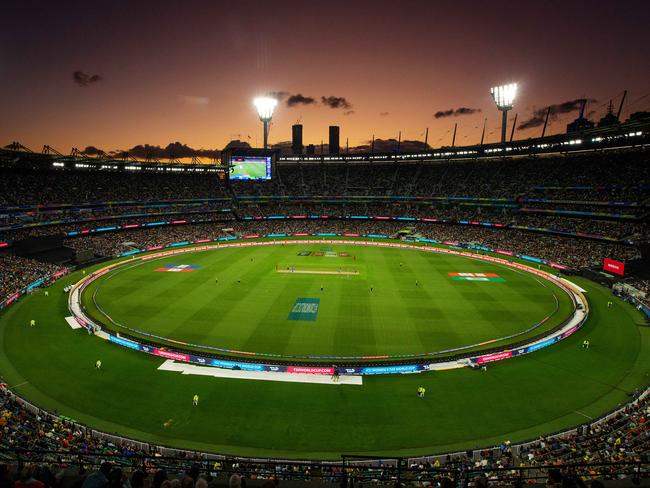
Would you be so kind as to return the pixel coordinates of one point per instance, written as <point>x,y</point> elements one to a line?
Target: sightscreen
<point>250,168</point>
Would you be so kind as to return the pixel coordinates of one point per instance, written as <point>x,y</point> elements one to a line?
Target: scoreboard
<point>250,167</point>
<point>247,164</point>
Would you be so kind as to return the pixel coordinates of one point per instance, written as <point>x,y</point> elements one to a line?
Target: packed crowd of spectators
<point>611,193</point>
<point>49,230</point>
<point>17,272</point>
<point>115,243</point>
<point>600,177</point>
<point>58,453</point>
<point>506,214</point>
<point>640,291</point>
<point>449,212</point>
<point>642,285</point>
<point>30,187</point>
<point>625,437</point>
<point>578,210</point>
<point>104,212</point>
<point>594,183</point>
<point>572,252</point>
<point>609,228</point>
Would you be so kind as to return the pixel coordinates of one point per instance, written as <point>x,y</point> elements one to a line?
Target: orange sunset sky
<point>187,71</point>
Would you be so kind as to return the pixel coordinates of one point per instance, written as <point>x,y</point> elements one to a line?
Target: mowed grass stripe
<point>245,296</point>
<point>463,301</point>
<point>376,317</point>
<point>195,313</point>
<point>271,324</point>
<point>423,321</point>
<point>154,300</point>
<point>355,334</point>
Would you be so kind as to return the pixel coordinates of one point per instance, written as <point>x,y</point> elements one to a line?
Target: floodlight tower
<point>504,96</point>
<point>264,107</point>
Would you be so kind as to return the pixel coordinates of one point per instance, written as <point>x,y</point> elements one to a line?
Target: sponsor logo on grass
<point>327,254</point>
<point>476,277</point>
<point>305,309</point>
<point>177,268</point>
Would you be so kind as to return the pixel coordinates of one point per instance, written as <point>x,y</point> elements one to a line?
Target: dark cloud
<point>456,112</point>
<point>175,150</point>
<point>413,146</point>
<point>84,79</point>
<point>390,145</point>
<point>444,113</point>
<point>466,111</point>
<point>539,115</point>
<point>381,146</point>
<point>384,114</point>
<point>336,102</point>
<point>300,99</point>
<point>237,144</point>
<point>92,151</point>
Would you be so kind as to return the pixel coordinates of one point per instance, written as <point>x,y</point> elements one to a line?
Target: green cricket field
<point>324,301</point>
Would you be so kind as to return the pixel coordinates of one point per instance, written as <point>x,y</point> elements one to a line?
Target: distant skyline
<point>117,74</point>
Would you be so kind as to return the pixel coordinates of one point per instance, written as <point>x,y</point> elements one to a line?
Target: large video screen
<point>250,168</point>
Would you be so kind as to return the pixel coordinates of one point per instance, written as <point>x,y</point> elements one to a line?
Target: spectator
<point>27,480</point>
<point>235,481</point>
<point>99,479</point>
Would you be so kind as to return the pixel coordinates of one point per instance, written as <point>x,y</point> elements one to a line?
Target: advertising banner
<point>612,266</point>
<point>494,357</point>
<point>309,370</point>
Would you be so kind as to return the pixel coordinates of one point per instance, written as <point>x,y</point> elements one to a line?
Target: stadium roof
<point>628,134</point>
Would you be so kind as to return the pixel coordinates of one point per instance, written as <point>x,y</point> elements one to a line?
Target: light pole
<point>504,96</point>
<point>264,107</point>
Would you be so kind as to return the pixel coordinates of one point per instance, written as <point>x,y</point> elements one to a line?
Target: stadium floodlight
<point>504,96</point>
<point>265,107</point>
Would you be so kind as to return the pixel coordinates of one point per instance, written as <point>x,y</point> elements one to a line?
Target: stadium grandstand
<point>569,209</point>
<point>363,266</point>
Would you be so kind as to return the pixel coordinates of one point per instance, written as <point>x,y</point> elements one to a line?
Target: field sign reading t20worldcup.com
<point>305,309</point>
